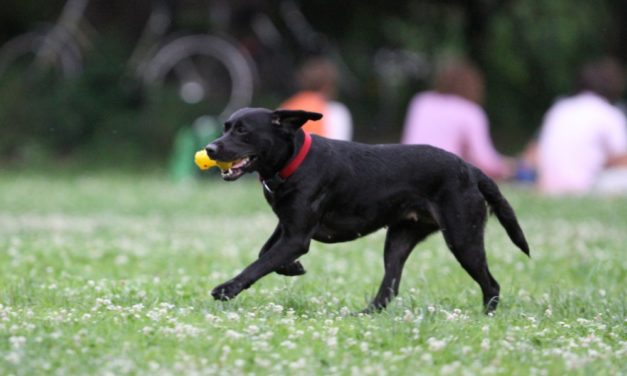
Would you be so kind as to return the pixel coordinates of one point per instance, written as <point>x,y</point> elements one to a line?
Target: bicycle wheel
<point>22,57</point>
<point>204,68</point>
<point>31,111</point>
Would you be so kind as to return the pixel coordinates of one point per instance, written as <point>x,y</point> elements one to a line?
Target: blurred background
<point>117,82</point>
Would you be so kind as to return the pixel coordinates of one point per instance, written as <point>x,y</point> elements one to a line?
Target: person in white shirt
<point>585,134</point>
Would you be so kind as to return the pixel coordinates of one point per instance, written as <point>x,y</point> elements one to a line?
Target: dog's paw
<point>370,310</point>
<point>291,270</point>
<point>490,306</point>
<point>227,290</point>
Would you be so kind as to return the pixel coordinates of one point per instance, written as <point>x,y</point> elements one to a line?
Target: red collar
<point>272,183</point>
<point>298,158</point>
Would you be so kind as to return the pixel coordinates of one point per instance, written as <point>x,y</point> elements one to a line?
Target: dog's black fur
<point>345,190</point>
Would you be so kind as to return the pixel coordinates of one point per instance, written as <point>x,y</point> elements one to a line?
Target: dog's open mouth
<point>239,168</point>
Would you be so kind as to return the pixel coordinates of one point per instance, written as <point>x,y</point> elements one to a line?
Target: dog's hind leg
<point>400,240</point>
<point>463,226</point>
<point>294,268</point>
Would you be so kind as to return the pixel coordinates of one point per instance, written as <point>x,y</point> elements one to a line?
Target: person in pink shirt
<point>451,117</point>
<point>583,138</point>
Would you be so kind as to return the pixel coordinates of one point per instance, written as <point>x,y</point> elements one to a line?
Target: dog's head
<point>257,139</point>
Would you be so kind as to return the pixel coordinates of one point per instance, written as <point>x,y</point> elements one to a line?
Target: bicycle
<point>205,68</point>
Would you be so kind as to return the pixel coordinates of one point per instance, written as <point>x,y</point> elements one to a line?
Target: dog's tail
<point>502,210</point>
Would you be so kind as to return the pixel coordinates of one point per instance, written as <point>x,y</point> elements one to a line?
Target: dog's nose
<point>212,150</point>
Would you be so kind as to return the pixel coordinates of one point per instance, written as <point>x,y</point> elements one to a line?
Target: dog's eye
<point>240,129</point>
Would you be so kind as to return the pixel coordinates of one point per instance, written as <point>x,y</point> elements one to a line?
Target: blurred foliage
<point>529,51</point>
<point>534,51</point>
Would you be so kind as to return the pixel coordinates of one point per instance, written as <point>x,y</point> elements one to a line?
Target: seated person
<point>317,80</point>
<point>450,117</point>
<point>584,134</point>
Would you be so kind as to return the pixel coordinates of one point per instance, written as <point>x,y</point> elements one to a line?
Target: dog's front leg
<point>294,268</point>
<point>284,251</point>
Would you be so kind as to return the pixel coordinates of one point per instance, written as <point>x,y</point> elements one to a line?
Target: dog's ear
<point>294,119</point>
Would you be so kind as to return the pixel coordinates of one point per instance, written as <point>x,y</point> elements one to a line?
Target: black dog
<point>336,191</point>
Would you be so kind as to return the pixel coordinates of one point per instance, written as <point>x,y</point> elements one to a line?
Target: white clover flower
<point>232,316</point>
<point>435,344</point>
<point>17,341</point>
<point>288,344</point>
<point>448,369</point>
<point>13,357</point>
<point>252,329</point>
<point>239,363</point>
<point>233,334</point>
<point>299,364</point>
<point>427,358</point>
<point>408,315</point>
<point>212,318</point>
<point>415,333</point>
<point>485,344</point>
<point>167,306</point>
<point>154,315</point>
<point>548,312</point>
<point>259,345</point>
<point>266,335</point>
<point>181,330</point>
<point>263,363</point>
<point>331,342</point>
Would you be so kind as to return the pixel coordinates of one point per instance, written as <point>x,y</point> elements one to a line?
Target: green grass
<point>111,274</point>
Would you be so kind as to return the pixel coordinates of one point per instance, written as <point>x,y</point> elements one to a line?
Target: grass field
<point>111,274</point>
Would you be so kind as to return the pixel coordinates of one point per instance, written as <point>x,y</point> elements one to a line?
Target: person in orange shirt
<point>317,80</point>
